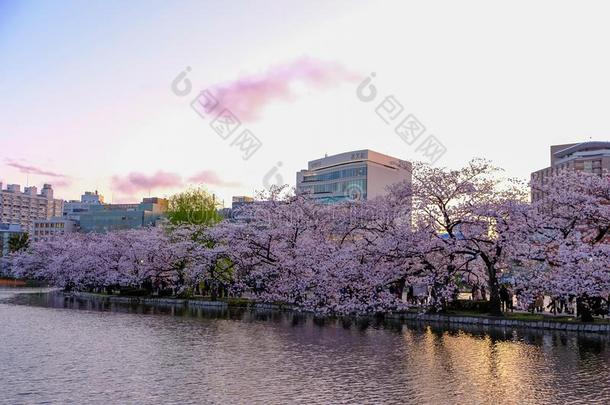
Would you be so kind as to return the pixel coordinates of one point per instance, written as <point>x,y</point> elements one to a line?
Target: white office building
<point>357,175</point>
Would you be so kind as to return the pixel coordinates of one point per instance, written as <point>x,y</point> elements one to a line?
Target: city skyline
<point>98,112</point>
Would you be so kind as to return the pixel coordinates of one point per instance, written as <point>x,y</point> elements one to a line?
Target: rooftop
<point>582,147</point>
<point>349,157</point>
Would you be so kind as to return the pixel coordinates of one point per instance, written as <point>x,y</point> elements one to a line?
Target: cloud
<point>61,183</point>
<point>209,177</point>
<point>28,169</point>
<point>248,96</point>
<point>135,182</point>
<point>56,179</point>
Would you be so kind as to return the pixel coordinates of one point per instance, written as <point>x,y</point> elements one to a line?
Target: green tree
<point>18,241</point>
<point>193,207</point>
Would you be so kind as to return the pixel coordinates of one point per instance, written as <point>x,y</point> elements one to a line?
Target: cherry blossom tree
<point>132,258</point>
<point>462,218</point>
<point>562,240</point>
<point>320,257</point>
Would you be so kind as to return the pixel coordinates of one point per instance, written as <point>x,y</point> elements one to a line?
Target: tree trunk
<point>584,310</point>
<point>214,292</point>
<point>495,304</point>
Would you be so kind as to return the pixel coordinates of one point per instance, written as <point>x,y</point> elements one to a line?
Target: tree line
<point>445,231</point>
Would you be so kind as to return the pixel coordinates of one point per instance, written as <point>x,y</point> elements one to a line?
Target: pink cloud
<point>29,169</point>
<point>61,183</point>
<point>248,96</point>
<point>56,179</point>
<point>209,177</point>
<point>136,182</point>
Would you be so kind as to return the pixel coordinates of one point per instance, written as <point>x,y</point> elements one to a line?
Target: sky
<point>107,95</point>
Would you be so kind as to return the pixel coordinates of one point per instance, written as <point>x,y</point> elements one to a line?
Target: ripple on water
<point>123,354</point>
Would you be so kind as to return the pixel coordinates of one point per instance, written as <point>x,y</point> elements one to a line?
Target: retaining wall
<point>402,316</point>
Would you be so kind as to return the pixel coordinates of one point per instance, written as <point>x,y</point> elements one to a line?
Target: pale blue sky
<point>85,86</point>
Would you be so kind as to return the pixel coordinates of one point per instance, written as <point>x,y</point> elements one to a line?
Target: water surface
<point>55,349</point>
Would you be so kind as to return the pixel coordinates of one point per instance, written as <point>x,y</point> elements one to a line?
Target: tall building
<point>592,157</point>
<point>112,217</point>
<point>357,175</point>
<point>23,208</point>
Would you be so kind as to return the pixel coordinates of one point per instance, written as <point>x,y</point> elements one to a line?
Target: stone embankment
<point>483,321</point>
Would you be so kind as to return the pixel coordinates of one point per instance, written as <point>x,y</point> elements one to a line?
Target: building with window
<point>112,217</point>
<point>23,208</point>
<point>73,208</point>
<point>241,200</point>
<point>54,227</point>
<point>591,157</point>
<point>6,232</point>
<point>238,202</point>
<point>357,175</point>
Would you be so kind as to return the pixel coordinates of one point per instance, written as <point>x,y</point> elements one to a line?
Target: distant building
<point>92,198</point>
<point>358,175</point>
<point>235,212</point>
<point>6,232</point>
<point>112,217</point>
<point>54,227</point>
<point>592,157</point>
<point>73,208</point>
<point>240,201</point>
<point>23,208</point>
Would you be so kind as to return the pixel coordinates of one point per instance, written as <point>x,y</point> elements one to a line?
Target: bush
<point>239,302</point>
<point>134,292</point>
<point>186,293</point>
<point>166,292</point>
<point>480,306</point>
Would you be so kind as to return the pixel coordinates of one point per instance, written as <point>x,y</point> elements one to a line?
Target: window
<point>337,174</point>
<point>588,166</point>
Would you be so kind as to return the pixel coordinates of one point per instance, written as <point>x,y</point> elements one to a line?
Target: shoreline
<point>448,319</point>
<point>7,282</point>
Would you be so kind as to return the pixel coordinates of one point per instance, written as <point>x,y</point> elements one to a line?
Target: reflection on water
<point>115,353</point>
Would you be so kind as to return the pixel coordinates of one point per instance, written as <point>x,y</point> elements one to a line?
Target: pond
<point>58,349</point>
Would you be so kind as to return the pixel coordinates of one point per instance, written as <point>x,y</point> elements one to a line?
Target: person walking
<point>539,303</point>
<point>504,298</point>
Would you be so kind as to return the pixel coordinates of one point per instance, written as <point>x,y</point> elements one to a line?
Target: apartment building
<point>23,208</point>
